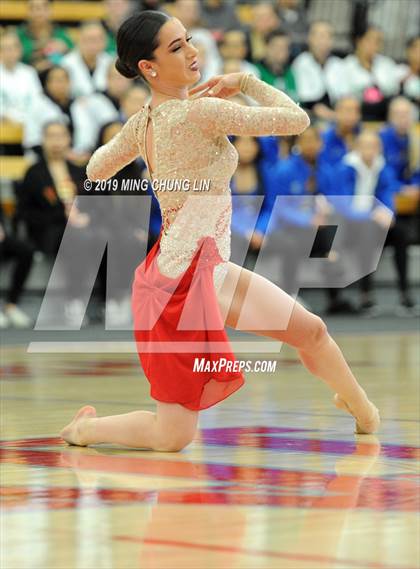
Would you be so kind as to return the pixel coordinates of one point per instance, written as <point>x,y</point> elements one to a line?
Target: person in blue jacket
<point>395,137</point>
<point>339,138</point>
<point>364,175</point>
<point>303,175</point>
<point>250,216</point>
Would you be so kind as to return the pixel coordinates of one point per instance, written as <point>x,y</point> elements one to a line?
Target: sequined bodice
<point>191,149</point>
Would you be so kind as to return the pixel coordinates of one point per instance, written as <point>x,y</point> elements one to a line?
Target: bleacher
<point>12,168</point>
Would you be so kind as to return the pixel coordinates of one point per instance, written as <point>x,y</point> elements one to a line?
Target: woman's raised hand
<point>221,86</point>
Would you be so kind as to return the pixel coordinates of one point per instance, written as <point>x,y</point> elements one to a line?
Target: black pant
<point>78,254</point>
<point>21,253</point>
<point>361,233</point>
<point>293,244</point>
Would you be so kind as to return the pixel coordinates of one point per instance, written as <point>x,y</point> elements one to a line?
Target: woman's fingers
<point>209,83</point>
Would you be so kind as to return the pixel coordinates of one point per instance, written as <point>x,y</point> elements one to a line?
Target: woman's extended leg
<point>171,428</point>
<point>250,302</point>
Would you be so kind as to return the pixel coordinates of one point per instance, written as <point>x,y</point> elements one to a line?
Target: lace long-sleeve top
<point>191,145</point>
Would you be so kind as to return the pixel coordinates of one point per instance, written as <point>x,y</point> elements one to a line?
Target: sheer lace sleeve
<point>122,149</point>
<point>278,113</point>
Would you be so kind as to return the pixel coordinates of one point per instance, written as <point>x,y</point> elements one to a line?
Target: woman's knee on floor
<point>173,441</point>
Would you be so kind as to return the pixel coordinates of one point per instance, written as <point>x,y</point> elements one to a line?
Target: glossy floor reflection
<point>275,478</point>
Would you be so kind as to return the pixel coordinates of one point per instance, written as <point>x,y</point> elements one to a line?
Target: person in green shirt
<point>274,68</point>
<point>43,42</point>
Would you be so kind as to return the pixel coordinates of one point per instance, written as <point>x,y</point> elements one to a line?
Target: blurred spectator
<point>410,73</point>
<point>129,226</point>
<point>116,11</point>
<point>48,205</point>
<point>370,76</point>
<point>234,47</point>
<point>19,83</point>
<point>293,19</point>
<point>395,138</point>
<point>88,63</point>
<point>44,43</point>
<point>341,15</point>
<point>219,15</point>
<point>249,217</point>
<point>399,19</point>
<point>363,176</point>
<point>303,181</point>
<point>274,68</point>
<point>56,104</point>
<point>133,100</point>
<point>104,106</point>
<point>188,12</point>
<point>339,139</point>
<point>318,73</point>
<point>21,254</point>
<point>264,20</point>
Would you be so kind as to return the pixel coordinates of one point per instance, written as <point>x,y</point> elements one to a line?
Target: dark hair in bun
<point>137,38</point>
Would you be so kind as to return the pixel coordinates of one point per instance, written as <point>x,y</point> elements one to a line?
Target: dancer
<point>182,134</point>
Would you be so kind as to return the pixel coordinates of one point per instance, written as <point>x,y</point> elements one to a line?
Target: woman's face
<point>174,58</point>
<point>58,84</point>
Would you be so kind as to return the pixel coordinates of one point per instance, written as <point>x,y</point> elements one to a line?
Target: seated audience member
<point>363,176</point>
<point>292,15</point>
<point>340,137</point>
<point>264,20</point>
<point>395,138</point>
<point>249,216</point>
<point>19,83</point>
<point>133,99</point>
<point>130,223</point>
<point>410,73</point>
<point>116,11</point>
<point>21,254</point>
<point>302,181</point>
<point>88,63</point>
<point>274,68</point>
<point>371,76</point>
<point>57,104</point>
<point>218,15</point>
<point>49,205</point>
<point>105,106</point>
<point>233,46</point>
<point>318,73</point>
<point>44,43</point>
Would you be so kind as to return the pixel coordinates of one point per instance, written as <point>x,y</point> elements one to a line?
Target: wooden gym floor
<point>275,478</point>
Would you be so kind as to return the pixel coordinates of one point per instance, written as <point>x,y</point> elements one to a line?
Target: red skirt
<point>180,337</point>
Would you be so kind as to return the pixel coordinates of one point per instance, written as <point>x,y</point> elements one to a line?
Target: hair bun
<point>124,69</point>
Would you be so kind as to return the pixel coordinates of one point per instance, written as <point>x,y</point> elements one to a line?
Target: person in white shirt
<point>371,77</point>
<point>318,73</point>
<point>19,83</point>
<point>410,72</point>
<point>88,63</point>
<point>56,104</point>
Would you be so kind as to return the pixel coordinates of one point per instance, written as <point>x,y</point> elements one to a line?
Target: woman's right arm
<point>110,158</point>
<point>277,115</point>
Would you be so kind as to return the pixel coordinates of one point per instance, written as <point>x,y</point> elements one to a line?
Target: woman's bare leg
<point>171,428</point>
<point>250,302</point>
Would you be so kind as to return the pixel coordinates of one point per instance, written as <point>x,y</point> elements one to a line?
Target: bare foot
<point>365,424</point>
<point>73,433</point>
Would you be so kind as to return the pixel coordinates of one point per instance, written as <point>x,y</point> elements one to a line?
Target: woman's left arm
<point>110,158</point>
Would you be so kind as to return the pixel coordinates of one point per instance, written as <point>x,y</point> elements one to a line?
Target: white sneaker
<point>4,321</point>
<point>18,318</point>
<point>74,312</point>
